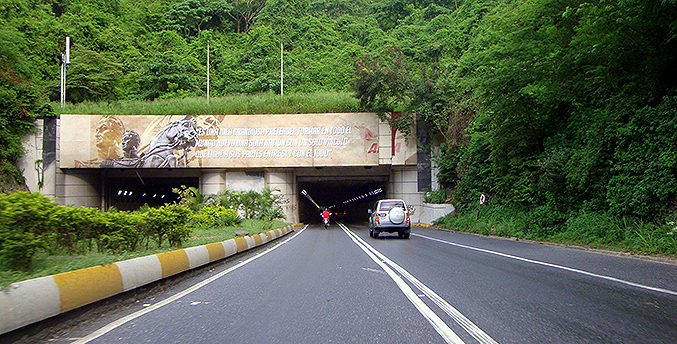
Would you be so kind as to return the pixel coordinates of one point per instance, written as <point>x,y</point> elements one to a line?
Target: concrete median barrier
<point>30,301</point>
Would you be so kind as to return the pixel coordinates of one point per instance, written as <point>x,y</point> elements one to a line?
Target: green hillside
<point>563,112</point>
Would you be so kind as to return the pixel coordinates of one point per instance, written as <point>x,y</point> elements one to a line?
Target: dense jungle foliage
<point>555,109</point>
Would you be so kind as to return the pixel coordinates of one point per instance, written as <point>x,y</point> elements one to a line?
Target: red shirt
<point>325,214</point>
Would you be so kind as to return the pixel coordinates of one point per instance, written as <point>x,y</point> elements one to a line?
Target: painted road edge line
<point>562,267</point>
<point>117,323</point>
<point>69,290</point>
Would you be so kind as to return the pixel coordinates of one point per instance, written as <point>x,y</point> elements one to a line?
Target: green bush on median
<point>32,225</point>
<point>215,216</point>
<point>170,221</point>
<point>25,227</point>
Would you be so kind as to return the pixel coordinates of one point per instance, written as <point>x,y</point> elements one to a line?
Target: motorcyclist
<point>325,216</point>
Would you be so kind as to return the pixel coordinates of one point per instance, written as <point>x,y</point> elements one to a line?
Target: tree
<point>164,74</point>
<point>193,16</point>
<point>21,102</point>
<point>382,84</point>
<point>92,76</point>
<point>243,13</point>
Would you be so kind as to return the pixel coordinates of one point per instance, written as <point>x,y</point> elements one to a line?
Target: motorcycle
<point>326,222</point>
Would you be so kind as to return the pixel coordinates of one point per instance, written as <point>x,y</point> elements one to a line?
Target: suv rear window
<point>386,206</point>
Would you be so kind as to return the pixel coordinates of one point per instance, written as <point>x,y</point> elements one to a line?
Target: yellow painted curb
<point>241,243</point>
<point>216,251</point>
<point>257,239</point>
<point>173,262</point>
<point>33,300</point>
<point>84,286</point>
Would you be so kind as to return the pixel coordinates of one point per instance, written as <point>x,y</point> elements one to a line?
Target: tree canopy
<point>560,105</point>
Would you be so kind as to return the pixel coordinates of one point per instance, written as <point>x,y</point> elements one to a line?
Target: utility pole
<point>65,61</point>
<point>281,70</point>
<point>208,72</point>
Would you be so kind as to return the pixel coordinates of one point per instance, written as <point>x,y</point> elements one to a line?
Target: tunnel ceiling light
<point>363,196</point>
<point>305,193</point>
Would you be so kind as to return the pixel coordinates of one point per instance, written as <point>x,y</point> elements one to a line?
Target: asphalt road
<point>341,286</point>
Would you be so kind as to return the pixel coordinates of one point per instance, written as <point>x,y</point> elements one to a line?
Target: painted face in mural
<point>108,137</point>
<point>130,142</point>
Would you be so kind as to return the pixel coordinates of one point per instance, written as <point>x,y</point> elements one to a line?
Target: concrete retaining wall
<point>428,212</point>
<point>30,301</point>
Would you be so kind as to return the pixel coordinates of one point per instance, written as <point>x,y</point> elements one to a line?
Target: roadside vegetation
<point>562,112</point>
<point>40,238</point>
<point>240,104</point>
<point>590,230</point>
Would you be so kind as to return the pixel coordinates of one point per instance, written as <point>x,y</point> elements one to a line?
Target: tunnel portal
<point>347,196</point>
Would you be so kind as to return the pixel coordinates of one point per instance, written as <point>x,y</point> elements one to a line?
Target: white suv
<point>390,215</point>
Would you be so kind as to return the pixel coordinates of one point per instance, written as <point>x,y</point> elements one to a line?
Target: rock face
<point>241,233</point>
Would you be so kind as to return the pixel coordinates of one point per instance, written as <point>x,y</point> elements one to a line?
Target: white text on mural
<point>267,143</point>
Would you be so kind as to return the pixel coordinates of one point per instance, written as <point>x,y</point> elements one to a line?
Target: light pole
<point>65,61</point>
<point>207,71</point>
<point>281,69</point>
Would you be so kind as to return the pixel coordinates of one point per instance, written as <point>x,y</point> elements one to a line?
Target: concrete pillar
<point>212,182</point>
<point>404,185</point>
<point>80,189</point>
<point>285,182</point>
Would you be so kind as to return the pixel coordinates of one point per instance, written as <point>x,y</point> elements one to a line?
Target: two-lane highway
<point>341,286</point>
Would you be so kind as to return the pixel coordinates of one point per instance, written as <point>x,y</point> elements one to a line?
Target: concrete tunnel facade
<point>126,161</point>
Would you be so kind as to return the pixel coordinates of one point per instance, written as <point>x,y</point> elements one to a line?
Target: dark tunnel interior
<point>132,193</point>
<point>348,199</point>
<point>348,196</point>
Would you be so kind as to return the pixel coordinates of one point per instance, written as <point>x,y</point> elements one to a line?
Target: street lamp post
<point>65,61</point>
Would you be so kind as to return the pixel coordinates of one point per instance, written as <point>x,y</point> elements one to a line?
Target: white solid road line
<point>115,324</point>
<point>582,272</point>
<point>478,334</point>
<point>438,324</point>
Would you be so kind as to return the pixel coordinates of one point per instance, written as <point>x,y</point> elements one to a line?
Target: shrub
<point>215,216</point>
<point>169,220</point>
<point>436,197</point>
<point>271,213</point>
<point>76,227</point>
<point>25,226</point>
<point>546,221</point>
<point>190,197</point>
<point>251,204</point>
<point>17,248</point>
<point>124,231</point>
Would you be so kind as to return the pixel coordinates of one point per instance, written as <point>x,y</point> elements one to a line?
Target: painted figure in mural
<point>130,142</point>
<point>179,135</point>
<point>162,150</point>
<point>203,123</point>
<point>108,136</point>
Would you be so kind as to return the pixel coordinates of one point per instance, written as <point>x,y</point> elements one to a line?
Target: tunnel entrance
<point>349,196</point>
<point>131,193</point>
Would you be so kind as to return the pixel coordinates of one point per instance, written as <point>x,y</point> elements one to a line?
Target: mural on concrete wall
<point>105,141</point>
